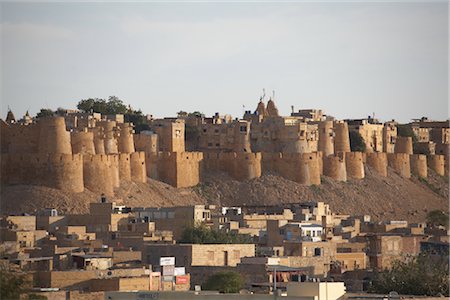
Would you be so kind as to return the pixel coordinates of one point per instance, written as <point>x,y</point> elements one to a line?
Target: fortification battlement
<point>97,158</point>
<point>398,156</point>
<point>421,157</point>
<point>437,158</point>
<point>403,145</point>
<point>195,156</point>
<point>52,121</point>
<point>337,157</point>
<point>38,157</point>
<point>123,156</point>
<point>239,156</point>
<point>400,162</point>
<point>355,155</point>
<point>137,155</point>
<point>113,158</point>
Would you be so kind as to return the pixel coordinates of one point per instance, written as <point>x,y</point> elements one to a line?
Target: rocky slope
<point>384,198</point>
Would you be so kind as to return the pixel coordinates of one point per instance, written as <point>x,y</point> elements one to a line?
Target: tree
<point>45,113</point>
<point>438,218</point>
<point>138,119</point>
<point>111,107</point>
<point>424,274</point>
<point>405,130</point>
<point>86,105</point>
<point>115,106</point>
<point>357,142</point>
<point>225,282</point>
<point>12,284</point>
<point>202,234</point>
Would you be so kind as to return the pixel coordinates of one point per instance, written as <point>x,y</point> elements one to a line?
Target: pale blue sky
<point>349,59</point>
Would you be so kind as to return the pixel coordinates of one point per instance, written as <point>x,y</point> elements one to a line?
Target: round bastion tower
<point>126,141</point>
<point>342,137</point>
<point>83,142</point>
<point>53,137</point>
<point>326,138</point>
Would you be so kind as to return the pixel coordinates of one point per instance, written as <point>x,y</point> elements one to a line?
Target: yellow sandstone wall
<point>403,145</point>
<point>97,174</point>
<point>378,162</point>
<point>342,137</point>
<point>354,165</point>
<point>418,164</point>
<point>334,167</point>
<point>124,167</point>
<point>326,137</point>
<point>53,137</point>
<point>137,165</point>
<point>400,163</point>
<point>437,164</point>
<point>82,142</point>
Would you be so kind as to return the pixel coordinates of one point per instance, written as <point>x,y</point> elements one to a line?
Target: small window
<point>317,252</point>
<point>243,128</point>
<point>217,145</point>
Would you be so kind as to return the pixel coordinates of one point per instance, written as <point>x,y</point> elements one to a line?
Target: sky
<point>350,59</point>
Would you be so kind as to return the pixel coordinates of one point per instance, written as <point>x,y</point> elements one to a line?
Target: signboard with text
<point>167,261</point>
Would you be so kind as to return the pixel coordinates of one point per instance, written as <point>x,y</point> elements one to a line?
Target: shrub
<point>357,142</point>
<point>202,234</point>
<point>225,282</point>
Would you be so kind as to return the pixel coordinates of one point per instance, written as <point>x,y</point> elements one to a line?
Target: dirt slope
<point>383,198</point>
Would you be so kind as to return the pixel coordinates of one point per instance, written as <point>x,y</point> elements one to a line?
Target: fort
<point>78,151</point>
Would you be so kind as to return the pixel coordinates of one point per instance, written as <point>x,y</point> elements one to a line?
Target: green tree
<point>424,274</point>
<point>12,284</point>
<point>225,282</point>
<point>202,234</point>
<point>405,130</point>
<point>357,142</point>
<point>86,105</point>
<point>138,119</point>
<point>44,112</point>
<point>438,218</point>
<point>115,106</point>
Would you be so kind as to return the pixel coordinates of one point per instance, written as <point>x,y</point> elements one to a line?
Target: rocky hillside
<point>383,198</point>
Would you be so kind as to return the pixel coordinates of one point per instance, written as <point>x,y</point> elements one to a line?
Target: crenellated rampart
<point>400,163</point>
<point>137,166</point>
<point>418,164</point>
<point>437,164</point>
<point>334,167</point>
<point>354,164</point>
<point>377,161</point>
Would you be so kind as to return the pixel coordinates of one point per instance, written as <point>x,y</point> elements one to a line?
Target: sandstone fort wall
<point>97,175</point>
<point>418,164</point>
<point>403,145</point>
<point>400,163</point>
<point>354,165</point>
<point>377,161</point>
<point>53,137</point>
<point>82,142</point>
<point>137,165</point>
<point>326,137</point>
<point>341,138</point>
<point>124,166</point>
<point>334,167</point>
<point>437,164</point>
